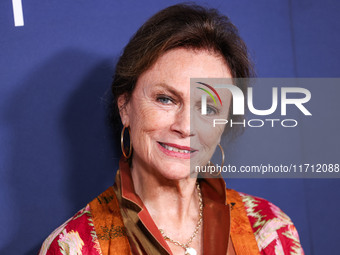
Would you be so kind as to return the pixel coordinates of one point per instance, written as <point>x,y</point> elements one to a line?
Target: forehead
<point>177,66</point>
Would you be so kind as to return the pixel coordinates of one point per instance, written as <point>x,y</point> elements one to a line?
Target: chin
<point>175,172</point>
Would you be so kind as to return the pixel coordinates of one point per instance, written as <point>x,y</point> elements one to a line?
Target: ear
<point>124,106</point>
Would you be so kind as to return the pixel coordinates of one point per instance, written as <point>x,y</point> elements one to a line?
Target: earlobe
<point>123,106</point>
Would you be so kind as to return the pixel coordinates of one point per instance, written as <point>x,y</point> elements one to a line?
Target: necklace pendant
<point>190,251</point>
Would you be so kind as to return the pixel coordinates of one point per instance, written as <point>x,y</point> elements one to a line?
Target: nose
<point>181,123</point>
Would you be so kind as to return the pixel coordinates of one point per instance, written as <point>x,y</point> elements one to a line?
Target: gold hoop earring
<point>122,143</point>
<point>222,164</point>
<point>223,155</point>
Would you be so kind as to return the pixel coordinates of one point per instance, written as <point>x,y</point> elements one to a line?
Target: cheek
<point>146,119</point>
<point>207,134</point>
<point>211,137</point>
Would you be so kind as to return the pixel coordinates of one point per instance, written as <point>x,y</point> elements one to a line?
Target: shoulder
<point>274,231</point>
<point>75,236</point>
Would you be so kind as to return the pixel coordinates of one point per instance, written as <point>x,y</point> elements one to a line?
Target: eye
<point>163,99</point>
<point>211,110</point>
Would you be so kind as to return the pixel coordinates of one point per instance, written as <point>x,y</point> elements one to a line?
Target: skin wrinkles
<point>160,111</point>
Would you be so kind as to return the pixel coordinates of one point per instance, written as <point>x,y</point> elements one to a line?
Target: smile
<point>176,150</point>
<point>170,148</point>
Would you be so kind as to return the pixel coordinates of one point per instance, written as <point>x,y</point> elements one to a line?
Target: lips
<point>175,150</point>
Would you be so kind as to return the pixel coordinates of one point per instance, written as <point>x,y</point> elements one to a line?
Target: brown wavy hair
<point>187,26</point>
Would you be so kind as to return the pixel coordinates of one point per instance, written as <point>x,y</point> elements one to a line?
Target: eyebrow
<point>170,89</point>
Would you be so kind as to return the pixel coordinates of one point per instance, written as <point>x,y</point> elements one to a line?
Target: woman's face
<point>167,128</point>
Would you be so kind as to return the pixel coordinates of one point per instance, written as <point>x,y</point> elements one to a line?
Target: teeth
<point>170,148</point>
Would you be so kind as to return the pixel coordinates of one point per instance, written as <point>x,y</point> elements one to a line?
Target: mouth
<point>177,148</point>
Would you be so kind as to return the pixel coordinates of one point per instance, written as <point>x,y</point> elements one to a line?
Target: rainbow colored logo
<point>209,93</point>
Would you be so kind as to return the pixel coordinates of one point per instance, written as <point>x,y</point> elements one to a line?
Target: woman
<point>157,204</point>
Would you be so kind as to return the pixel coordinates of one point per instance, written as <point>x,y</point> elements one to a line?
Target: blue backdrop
<point>56,152</point>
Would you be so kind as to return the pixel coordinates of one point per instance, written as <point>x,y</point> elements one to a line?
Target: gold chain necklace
<point>185,246</point>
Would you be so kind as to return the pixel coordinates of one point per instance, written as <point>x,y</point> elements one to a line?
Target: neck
<point>172,202</point>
